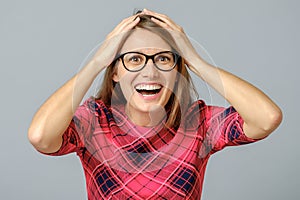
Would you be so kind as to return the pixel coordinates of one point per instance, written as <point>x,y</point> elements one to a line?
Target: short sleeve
<point>225,128</point>
<point>74,136</point>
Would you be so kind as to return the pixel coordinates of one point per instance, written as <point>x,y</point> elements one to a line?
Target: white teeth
<point>148,87</point>
<point>148,95</point>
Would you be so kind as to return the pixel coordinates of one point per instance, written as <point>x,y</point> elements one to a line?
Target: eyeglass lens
<point>135,61</point>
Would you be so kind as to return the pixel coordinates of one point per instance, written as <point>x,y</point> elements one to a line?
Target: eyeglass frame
<point>175,54</point>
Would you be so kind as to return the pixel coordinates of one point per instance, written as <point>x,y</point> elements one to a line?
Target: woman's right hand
<point>109,48</point>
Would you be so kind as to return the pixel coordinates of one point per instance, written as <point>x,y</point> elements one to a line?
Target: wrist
<point>195,63</point>
<point>96,65</point>
<point>93,67</point>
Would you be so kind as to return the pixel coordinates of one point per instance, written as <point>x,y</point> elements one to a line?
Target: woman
<point>143,137</point>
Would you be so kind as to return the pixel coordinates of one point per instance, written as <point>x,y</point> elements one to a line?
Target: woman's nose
<point>150,70</point>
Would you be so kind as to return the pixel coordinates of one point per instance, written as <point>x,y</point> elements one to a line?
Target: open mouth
<point>148,89</point>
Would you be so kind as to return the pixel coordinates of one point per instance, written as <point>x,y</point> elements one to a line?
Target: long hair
<point>180,99</point>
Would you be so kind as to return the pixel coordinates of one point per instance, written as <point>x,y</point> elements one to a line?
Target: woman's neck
<point>152,118</point>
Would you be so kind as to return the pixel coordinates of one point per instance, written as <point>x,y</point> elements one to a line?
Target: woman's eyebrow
<point>143,50</point>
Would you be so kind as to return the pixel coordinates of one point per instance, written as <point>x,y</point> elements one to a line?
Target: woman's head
<point>158,83</point>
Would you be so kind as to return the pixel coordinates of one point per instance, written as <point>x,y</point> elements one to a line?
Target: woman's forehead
<point>141,39</point>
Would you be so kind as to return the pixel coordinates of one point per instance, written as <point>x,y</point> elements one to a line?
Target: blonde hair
<point>180,99</point>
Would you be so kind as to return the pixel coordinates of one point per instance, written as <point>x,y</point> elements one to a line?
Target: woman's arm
<point>54,116</point>
<point>261,115</point>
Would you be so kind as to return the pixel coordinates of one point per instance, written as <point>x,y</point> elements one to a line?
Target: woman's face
<point>149,88</point>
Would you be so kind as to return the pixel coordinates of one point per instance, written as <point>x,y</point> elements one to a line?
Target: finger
<point>163,18</point>
<point>127,25</point>
<point>133,23</point>
<point>160,23</point>
<point>129,21</point>
<point>168,26</point>
<point>125,22</point>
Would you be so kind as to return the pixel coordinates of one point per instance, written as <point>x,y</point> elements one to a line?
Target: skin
<point>261,115</point>
<point>141,111</point>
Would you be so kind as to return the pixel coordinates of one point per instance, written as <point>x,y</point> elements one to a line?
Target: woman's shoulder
<point>98,108</point>
<point>94,106</point>
<point>200,110</point>
<point>195,114</point>
<point>201,106</point>
<point>93,102</point>
<point>196,107</point>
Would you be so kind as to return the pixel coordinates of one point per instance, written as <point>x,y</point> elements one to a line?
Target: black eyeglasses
<point>136,61</point>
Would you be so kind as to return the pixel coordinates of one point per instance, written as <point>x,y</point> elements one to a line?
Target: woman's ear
<point>115,76</point>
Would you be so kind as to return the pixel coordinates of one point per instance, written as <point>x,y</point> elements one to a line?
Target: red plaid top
<point>124,161</point>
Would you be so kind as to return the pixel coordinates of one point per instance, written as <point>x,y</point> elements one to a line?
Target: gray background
<point>42,44</point>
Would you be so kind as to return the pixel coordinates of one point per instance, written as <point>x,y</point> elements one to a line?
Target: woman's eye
<point>163,59</point>
<point>135,59</point>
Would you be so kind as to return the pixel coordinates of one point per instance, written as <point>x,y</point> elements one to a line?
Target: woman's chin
<point>146,114</point>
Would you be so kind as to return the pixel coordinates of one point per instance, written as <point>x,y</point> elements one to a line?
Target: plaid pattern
<point>124,161</point>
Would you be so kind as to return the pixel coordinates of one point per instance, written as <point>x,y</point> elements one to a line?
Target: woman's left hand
<point>186,49</point>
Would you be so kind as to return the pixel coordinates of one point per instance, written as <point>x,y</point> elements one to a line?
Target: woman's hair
<point>181,97</point>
